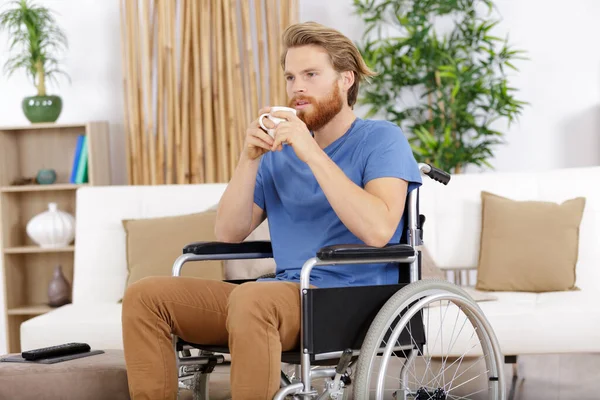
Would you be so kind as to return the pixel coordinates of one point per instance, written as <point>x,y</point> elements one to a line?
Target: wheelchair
<point>371,342</point>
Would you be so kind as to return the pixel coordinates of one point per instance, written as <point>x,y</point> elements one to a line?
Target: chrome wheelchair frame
<point>197,369</point>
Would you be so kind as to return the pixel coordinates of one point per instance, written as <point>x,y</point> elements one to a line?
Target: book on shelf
<point>79,171</point>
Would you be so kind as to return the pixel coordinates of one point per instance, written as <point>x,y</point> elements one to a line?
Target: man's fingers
<point>260,134</point>
<point>287,115</point>
<point>253,140</point>
<point>268,123</point>
<point>279,140</point>
<point>262,111</point>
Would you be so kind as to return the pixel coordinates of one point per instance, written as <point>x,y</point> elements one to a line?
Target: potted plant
<point>443,77</point>
<point>35,39</point>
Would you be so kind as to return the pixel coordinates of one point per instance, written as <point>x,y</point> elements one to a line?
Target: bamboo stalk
<point>147,67</point>
<point>139,112</point>
<point>185,89</point>
<point>160,159</point>
<point>283,24</point>
<point>209,158</point>
<point>271,8</point>
<point>126,91</point>
<point>260,32</point>
<point>134,108</point>
<point>252,96</point>
<point>139,70</point>
<point>169,90</point>
<point>231,112</point>
<point>130,106</point>
<point>242,111</point>
<point>144,71</point>
<point>153,117</point>
<point>197,162</point>
<point>241,23</point>
<point>178,177</point>
<point>219,94</point>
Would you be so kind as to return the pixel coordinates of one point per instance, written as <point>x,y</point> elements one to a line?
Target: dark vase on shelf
<point>46,176</point>
<point>59,289</point>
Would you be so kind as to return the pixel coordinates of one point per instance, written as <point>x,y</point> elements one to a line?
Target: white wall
<point>561,128</point>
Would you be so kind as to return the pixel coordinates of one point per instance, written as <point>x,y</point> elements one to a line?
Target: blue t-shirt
<point>301,219</point>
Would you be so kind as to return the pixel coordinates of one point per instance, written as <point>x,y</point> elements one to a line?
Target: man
<point>327,177</point>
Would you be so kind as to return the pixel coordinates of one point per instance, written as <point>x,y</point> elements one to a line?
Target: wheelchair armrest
<point>357,252</point>
<point>262,248</point>
<point>204,251</point>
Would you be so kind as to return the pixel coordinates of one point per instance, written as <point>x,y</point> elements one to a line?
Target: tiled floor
<point>546,377</point>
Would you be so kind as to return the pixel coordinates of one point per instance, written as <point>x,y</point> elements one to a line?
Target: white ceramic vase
<point>53,228</point>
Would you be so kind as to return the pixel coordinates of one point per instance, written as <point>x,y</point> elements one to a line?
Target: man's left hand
<point>294,132</point>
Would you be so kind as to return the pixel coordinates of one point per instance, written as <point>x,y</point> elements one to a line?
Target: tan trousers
<point>258,320</point>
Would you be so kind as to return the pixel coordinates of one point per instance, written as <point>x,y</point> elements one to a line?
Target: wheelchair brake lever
<point>344,362</point>
<point>340,373</point>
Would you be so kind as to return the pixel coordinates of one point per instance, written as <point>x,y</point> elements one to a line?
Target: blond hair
<point>343,53</point>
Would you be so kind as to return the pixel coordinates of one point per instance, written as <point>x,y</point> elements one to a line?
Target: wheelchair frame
<point>328,256</point>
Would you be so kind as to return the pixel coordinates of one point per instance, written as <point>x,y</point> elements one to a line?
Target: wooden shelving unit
<point>28,268</point>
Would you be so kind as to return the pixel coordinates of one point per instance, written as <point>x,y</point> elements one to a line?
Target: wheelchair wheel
<point>430,341</point>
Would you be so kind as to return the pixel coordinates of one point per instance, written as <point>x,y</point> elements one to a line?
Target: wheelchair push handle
<point>435,173</point>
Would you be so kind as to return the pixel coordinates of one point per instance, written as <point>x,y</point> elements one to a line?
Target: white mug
<point>275,120</point>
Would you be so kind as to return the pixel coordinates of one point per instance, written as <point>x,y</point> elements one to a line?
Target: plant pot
<point>42,108</point>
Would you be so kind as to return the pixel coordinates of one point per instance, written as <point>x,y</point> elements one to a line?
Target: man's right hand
<point>258,142</point>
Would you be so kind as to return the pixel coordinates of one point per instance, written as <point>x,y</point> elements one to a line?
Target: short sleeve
<point>388,154</point>
<point>259,191</point>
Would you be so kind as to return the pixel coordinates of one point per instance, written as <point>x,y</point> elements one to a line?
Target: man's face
<point>313,86</point>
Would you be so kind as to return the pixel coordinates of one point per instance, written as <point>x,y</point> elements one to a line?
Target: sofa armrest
<point>357,252</point>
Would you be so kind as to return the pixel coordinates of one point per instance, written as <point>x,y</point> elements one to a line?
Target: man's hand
<point>257,141</point>
<point>295,133</point>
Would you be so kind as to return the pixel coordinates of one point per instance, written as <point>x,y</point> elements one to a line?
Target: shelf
<point>36,309</point>
<point>27,268</point>
<point>37,249</point>
<point>49,125</point>
<point>41,188</point>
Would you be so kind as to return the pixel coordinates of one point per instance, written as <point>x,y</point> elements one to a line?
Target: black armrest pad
<point>360,251</point>
<point>202,248</point>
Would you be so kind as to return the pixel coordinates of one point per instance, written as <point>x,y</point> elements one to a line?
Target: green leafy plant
<point>447,88</point>
<point>35,39</point>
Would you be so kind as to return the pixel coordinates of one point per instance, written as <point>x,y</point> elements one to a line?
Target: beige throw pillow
<point>252,268</point>
<point>529,246</point>
<point>154,244</point>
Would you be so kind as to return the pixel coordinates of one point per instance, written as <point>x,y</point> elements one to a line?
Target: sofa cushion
<point>529,246</point>
<point>524,323</point>
<point>153,244</point>
<point>97,324</point>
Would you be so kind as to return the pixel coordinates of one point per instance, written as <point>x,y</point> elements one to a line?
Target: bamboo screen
<point>196,72</point>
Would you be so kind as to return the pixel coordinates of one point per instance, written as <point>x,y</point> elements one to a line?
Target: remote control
<point>55,351</point>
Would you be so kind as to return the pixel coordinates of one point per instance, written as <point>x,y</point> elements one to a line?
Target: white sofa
<point>525,323</point>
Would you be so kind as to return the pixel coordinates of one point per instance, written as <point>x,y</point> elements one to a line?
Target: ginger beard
<point>321,112</point>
